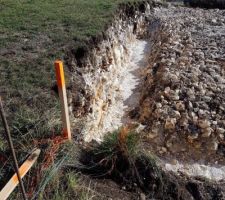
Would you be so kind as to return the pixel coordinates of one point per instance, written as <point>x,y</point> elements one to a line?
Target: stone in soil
<point>186,94</point>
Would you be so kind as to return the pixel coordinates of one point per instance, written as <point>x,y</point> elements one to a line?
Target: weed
<point>117,151</point>
<point>66,185</point>
<point>119,140</point>
<point>121,158</point>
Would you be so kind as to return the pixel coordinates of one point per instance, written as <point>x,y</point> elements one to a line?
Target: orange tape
<point>59,73</point>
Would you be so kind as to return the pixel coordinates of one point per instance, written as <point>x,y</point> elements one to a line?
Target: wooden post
<point>63,98</point>
<point>13,182</point>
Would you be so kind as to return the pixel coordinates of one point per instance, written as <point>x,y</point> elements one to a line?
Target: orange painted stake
<point>63,98</point>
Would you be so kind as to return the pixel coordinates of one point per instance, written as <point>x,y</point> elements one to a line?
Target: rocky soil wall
<point>95,69</point>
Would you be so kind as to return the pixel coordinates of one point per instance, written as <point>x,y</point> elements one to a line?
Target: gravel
<point>185,97</point>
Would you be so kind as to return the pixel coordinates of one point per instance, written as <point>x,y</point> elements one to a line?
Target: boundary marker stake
<point>63,98</point>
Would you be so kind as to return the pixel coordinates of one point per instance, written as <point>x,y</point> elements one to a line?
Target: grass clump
<point>60,182</point>
<point>117,141</point>
<point>67,185</point>
<point>120,157</point>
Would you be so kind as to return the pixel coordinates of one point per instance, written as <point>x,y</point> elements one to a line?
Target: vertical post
<point>9,139</point>
<point>63,98</point>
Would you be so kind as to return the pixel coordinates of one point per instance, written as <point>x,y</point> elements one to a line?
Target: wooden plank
<point>25,167</point>
<point>63,98</point>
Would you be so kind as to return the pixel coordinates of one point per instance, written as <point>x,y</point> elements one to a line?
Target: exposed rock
<point>214,145</point>
<point>170,123</point>
<point>204,124</point>
<point>180,106</point>
<point>188,88</point>
<point>206,132</point>
<point>164,150</point>
<point>142,196</point>
<point>176,114</point>
<point>98,102</point>
<point>220,130</point>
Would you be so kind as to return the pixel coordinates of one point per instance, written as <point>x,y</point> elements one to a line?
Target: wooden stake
<point>63,98</point>
<point>13,182</point>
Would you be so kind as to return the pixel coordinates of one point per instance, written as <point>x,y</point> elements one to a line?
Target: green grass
<point>110,145</point>
<point>33,33</point>
<point>66,186</point>
<point>60,20</point>
<point>60,181</point>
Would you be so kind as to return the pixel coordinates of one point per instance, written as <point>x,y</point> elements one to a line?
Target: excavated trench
<point>107,83</point>
<point>118,90</point>
<point>119,81</point>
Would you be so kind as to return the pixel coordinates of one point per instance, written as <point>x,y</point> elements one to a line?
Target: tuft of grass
<point>62,185</point>
<point>113,143</point>
<point>66,185</point>
<point>120,157</point>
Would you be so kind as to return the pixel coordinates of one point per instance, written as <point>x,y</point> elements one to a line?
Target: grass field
<point>33,33</point>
